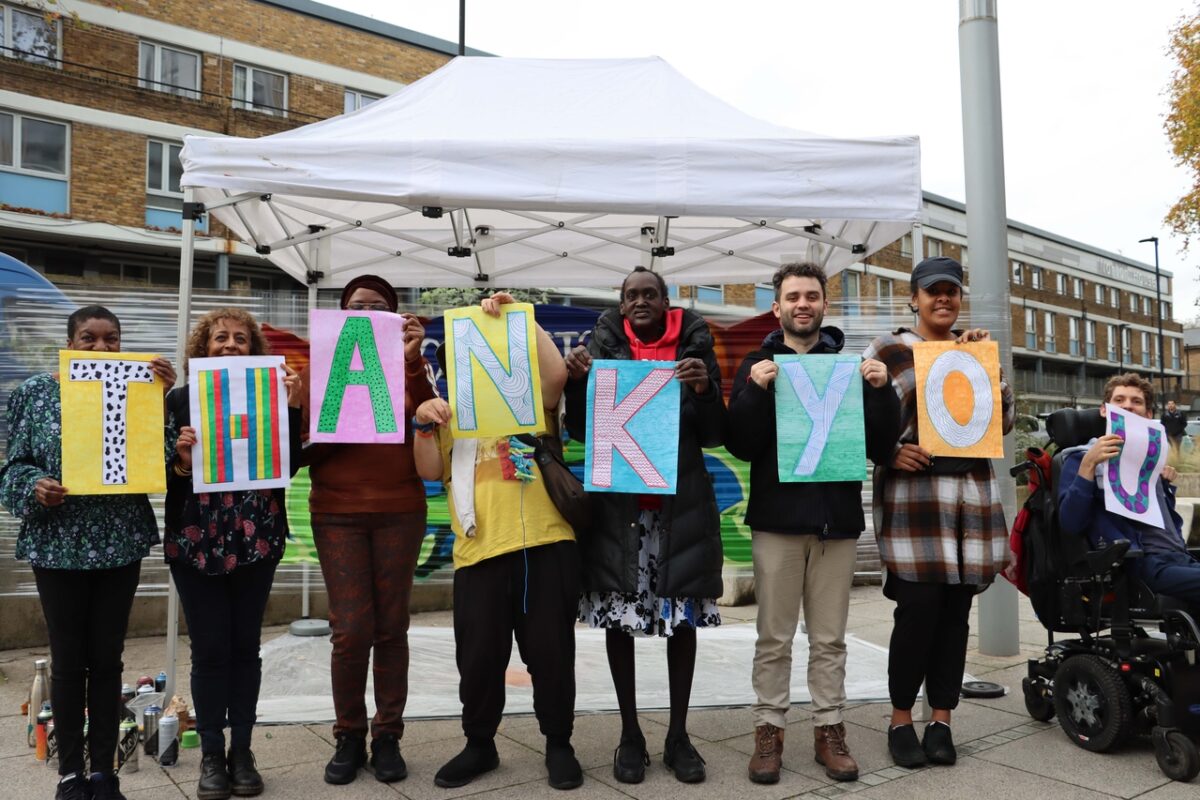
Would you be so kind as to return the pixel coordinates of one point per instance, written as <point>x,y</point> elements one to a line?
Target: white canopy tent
<point>547,173</point>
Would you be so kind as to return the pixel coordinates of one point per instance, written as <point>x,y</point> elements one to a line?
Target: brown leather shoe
<point>833,754</point>
<point>768,754</point>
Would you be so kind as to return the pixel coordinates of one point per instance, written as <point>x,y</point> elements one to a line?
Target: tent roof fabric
<point>555,173</point>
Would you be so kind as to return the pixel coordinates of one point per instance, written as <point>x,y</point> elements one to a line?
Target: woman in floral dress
<point>86,553</point>
<point>223,548</point>
<point>652,563</point>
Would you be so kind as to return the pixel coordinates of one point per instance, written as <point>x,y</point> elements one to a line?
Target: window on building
<point>1048,332</point>
<point>1126,345</point>
<point>167,69</point>
<point>1146,349</point>
<point>764,296</point>
<point>933,247</point>
<point>163,169</point>
<point>29,36</point>
<point>257,89</point>
<point>1016,272</point>
<point>964,257</point>
<point>356,100</point>
<point>1174,354</point>
<point>906,245</point>
<point>710,294</point>
<point>887,291</point>
<point>1111,333</point>
<point>1099,294</point>
<point>34,163</point>
<point>1089,338</point>
<point>1164,308</point>
<point>1030,329</point>
<point>1077,288</point>
<point>1035,277</point>
<point>1073,336</point>
<point>1146,305</point>
<point>1060,284</point>
<point>851,290</point>
<point>1133,302</point>
<point>1114,298</point>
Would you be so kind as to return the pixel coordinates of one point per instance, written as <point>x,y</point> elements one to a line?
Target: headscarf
<point>375,284</point>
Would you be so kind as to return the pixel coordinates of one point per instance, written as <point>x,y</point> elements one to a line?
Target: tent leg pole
<point>183,321</point>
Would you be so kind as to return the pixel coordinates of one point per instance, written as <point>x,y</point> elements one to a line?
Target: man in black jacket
<point>1175,423</point>
<point>804,534</point>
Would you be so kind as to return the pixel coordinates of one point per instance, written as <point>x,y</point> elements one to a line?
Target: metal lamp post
<point>1162,364</point>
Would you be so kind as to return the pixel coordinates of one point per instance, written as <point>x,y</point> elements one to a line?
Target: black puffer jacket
<point>690,556</point>
<point>832,510</point>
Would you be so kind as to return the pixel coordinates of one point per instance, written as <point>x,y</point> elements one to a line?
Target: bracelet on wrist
<point>182,471</point>
<point>423,427</point>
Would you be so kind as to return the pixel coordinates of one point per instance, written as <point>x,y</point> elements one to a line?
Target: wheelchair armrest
<point>1104,561</point>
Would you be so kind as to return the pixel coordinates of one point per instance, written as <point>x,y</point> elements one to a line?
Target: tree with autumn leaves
<point>1183,121</point>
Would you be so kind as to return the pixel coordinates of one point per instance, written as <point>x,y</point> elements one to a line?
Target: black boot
<point>478,757</point>
<point>243,772</point>
<point>350,755</point>
<point>105,786</point>
<point>73,787</point>
<point>681,758</point>
<point>562,767</point>
<point>386,760</point>
<point>906,750</point>
<point>214,778</point>
<point>630,759</point>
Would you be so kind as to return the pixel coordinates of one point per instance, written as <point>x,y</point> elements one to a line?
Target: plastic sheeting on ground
<point>296,685</point>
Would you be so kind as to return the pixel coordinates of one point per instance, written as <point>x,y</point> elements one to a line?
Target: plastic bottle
<point>39,693</point>
<point>43,717</point>
<point>168,741</point>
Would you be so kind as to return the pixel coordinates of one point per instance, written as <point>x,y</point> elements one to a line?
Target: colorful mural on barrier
<point>568,326</point>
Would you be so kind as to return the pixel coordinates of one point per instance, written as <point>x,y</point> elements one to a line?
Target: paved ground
<point>1002,752</point>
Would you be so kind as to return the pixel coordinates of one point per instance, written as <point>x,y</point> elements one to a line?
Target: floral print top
<point>219,531</point>
<point>102,531</point>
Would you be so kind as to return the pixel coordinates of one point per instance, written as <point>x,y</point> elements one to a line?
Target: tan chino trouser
<point>793,572</point>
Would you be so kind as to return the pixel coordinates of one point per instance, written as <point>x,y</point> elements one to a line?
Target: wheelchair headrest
<point>1069,427</point>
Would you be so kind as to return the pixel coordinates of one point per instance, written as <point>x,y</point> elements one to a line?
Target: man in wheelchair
<point>1165,567</point>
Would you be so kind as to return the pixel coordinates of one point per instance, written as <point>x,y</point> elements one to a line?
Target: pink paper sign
<point>357,377</point>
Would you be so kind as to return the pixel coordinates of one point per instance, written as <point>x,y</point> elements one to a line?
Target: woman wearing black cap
<point>368,520</point>
<point>940,528</point>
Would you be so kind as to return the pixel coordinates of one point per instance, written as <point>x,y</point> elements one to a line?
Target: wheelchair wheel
<point>1092,703</point>
<point>1177,756</point>
<point>1038,701</point>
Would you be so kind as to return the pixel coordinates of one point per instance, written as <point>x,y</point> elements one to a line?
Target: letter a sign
<point>632,427</point>
<point>357,377</point>
<point>112,436</point>
<point>819,419</point>
<point>492,372</point>
<point>958,399</point>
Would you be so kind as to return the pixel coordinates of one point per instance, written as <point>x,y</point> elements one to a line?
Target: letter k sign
<point>609,428</point>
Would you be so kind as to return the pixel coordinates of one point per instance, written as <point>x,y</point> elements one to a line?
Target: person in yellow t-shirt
<point>516,573</point>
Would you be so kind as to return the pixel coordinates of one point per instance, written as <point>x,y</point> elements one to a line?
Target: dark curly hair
<point>197,343</point>
<point>1131,380</point>
<point>798,269</point>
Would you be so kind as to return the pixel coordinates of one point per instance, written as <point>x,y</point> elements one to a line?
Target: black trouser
<point>224,617</point>
<point>87,614</point>
<point>490,606</point>
<point>929,641</point>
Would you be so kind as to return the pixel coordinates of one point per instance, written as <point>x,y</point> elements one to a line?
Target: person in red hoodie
<point>368,520</point>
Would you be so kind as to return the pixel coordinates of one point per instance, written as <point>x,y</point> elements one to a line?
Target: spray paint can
<point>160,682</point>
<point>43,718</point>
<point>150,717</point>
<point>145,688</point>
<point>127,751</point>
<point>168,741</point>
<point>39,693</point>
<point>127,693</point>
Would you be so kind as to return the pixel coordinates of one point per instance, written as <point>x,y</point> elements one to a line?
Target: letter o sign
<point>952,432</point>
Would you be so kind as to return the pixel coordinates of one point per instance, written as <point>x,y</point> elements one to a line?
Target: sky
<point>1083,89</point>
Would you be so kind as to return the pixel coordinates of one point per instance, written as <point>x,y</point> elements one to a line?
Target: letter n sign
<point>356,377</point>
<point>819,419</point>
<point>632,427</point>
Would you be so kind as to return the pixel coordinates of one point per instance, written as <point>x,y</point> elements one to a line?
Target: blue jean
<point>1173,574</point>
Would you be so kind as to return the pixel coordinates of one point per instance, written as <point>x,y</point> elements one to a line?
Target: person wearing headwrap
<point>368,520</point>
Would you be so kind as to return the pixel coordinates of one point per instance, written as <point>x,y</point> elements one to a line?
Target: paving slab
<point>595,737</point>
<point>518,765</point>
<point>1125,773</point>
<point>974,778</point>
<point>301,782</point>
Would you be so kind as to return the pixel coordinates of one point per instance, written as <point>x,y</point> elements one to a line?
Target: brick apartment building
<point>1079,313</point>
<point>94,106</point>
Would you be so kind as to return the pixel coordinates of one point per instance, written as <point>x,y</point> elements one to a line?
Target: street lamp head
<point>1148,239</point>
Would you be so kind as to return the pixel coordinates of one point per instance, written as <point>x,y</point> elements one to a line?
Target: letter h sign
<point>632,427</point>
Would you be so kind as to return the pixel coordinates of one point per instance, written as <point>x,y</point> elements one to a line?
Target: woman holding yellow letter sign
<point>940,529</point>
<point>86,553</point>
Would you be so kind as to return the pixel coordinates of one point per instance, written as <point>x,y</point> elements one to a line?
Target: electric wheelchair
<point>1130,668</point>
